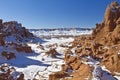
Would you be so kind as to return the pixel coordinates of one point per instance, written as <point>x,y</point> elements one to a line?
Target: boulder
<point>9,73</point>
<point>7,55</point>
<point>21,77</point>
<point>83,72</point>
<point>2,42</point>
<point>52,53</point>
<point>57,75</point>
<point>94,47</point>
<point>11,55</point>
<point>68,51</point>
<point>23,48</point>
<point>27,49</point>
<point>78,50</point>
<point>4,54</point>
<point>76,64</point>
<point>64,67</point>
<point>69,59</point>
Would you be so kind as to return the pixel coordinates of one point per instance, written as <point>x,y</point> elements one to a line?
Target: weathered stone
<point>83,72</point>
<point>52,53</point>
<point>1,24</point>
<point>7,73</point>
<point>7,55</point>
<point>24,48</point>
<point>76,64</point>
<point>57,75</point>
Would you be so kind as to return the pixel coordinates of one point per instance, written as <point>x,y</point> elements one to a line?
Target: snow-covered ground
<point>39,65</point>
<point>60,32</point>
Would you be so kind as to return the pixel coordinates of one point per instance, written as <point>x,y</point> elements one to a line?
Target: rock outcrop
<point>102,46</point>
<point>7,55</point>
<point>13,38</point>
<point>108,34</point>
<point>9,73</point>
<point>13,32</point>
<point>57,75</point>
<point>2,42</point>
<point>108,31</point>
<point>52,53</point>
<point>23,48</point>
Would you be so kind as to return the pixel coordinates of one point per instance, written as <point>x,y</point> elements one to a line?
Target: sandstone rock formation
<point>13,36</point>
<point>108,31</point>
<point>14,29</point>
<point>52,53</point>
<point>103,46</point>
<point>57,75</point>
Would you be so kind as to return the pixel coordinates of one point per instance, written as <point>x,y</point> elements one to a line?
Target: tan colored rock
<point>64,67</point>
<point>108,31</point>
<point>68,51</point>
<point>103,45</point>
<point>95,47</point>
<point>86,51</point>
<point>52,53</point>
<point>111,61</point>
<point>78,50</point>
<point>76,64</point>
<point>21,77</point>
<point>70,59</point>
<point>118,21</point>
<point>111,15</point>
<point>83,72</point>
<point>57,75</point>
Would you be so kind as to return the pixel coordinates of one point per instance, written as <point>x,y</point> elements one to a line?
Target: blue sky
<point>54,13</point>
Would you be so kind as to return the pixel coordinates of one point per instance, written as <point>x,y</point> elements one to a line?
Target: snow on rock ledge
<point>99,74</point>
<point>9,73</point>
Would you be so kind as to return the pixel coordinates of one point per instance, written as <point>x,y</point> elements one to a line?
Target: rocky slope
<point>26,57</point>
<point>95,56</point>
<point>14,30</point>
<point>88,57</point>
<point>13,41</point>
<point>9,73</point>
